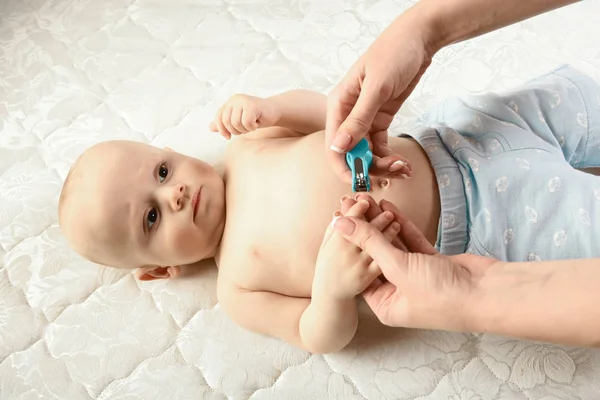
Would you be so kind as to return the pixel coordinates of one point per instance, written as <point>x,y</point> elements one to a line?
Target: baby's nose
<point>178,196</point>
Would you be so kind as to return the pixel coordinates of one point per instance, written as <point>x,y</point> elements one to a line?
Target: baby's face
<point>150,207</point>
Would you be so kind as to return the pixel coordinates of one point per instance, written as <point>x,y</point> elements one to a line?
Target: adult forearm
<point>553,301</point>
<point>450,21</point>
<point>328,325</point>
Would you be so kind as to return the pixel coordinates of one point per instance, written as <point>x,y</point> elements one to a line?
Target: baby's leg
<point>557,113</point>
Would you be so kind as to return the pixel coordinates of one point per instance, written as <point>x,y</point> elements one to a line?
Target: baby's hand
<point>343,270</point>
<point>243,113</point>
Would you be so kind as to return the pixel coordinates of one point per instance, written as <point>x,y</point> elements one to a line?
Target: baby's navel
<point>384,183</point>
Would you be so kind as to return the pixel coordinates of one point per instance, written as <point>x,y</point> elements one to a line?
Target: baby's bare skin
<point>280,196</point>
<point>131,205</point>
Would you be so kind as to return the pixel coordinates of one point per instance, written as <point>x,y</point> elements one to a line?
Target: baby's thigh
<point>529,205</point>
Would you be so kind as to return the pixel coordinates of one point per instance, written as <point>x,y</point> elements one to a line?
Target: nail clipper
<point>359,160</point>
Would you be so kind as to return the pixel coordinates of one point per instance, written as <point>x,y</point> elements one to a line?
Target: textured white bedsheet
<point>75,72</point>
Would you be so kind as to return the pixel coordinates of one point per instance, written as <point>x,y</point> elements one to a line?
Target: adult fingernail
<point>344,198</point>
<point>341,143</point>
<point>388,215</point>
<point>337,214</point>
<point>344,225</point>
<point>397,166</point>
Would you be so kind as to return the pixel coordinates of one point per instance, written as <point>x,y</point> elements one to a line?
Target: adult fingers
<point>412,237</point>
<point>374,208</point>
<point>373,211</point>
<point>358,122</point>
<point>361,233</point>
<point>393,166</point>
<point>380,140</point>
<point>338,162</point>
<point>339,103</point>
<point>358,210</point>
<point>380,297</point>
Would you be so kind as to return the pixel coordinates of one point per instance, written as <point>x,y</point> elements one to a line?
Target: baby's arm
<point>318,326</point>
<point>302,111</point>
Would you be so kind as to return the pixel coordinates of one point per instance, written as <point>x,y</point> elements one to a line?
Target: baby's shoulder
<point>241,265</point>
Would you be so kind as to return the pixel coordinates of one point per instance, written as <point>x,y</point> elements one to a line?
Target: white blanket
<point>76,72</point>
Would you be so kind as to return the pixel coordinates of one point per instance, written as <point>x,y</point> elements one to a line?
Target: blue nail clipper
<point>359,161</point>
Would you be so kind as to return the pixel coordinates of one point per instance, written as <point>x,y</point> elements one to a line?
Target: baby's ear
<point>152,273</point>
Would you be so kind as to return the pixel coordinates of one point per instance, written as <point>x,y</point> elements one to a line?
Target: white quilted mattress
<point>75,72</point>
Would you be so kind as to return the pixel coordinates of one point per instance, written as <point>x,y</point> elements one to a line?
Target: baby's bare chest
<point>280,200</point>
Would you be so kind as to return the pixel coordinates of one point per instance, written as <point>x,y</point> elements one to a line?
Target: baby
<point>488,185</point>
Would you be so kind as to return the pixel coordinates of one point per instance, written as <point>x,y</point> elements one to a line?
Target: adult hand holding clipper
<point>365,101</point>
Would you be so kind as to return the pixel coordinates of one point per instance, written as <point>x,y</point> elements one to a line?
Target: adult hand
<point>365,101</point>
<point>423,289</point>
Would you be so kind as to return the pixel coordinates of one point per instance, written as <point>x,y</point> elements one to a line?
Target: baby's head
<point>131,205</point>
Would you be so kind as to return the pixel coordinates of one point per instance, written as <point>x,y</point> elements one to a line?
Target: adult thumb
<point>359,121</point>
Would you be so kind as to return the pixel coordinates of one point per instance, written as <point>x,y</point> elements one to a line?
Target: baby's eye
<point>151,218</point>
<point>163,172</point>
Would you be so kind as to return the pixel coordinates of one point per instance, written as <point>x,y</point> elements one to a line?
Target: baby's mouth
<point>195,203</point>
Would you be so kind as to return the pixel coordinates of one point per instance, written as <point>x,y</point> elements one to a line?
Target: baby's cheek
<point>185,241</point>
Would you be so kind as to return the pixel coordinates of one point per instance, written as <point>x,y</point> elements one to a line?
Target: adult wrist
<point>425,19</point>
<point>491,301</point>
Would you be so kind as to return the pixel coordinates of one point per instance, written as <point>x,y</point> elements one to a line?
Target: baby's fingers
<point>227,114</point>
<point>220,126</point>
<point>373,272</point>
<point>236,120</point>
<point>358,210</point>
<point>346,203</point>
<point>249,120</point>
<point>374,209</point>
<point>392,230</point>
<point>382,222</point>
